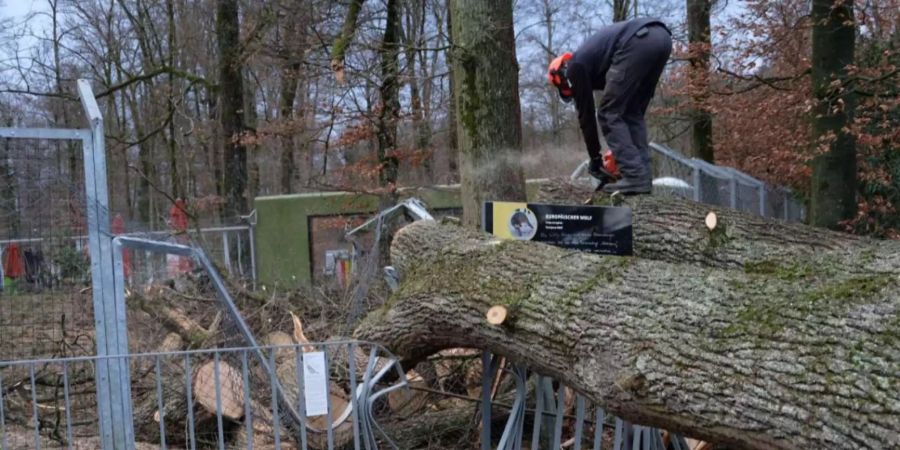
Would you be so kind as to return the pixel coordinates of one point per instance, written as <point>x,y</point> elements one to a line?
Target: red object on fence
<point>118,227</point>
<point>13,265</point>
<point>178,220</point>
<point>178,216</point>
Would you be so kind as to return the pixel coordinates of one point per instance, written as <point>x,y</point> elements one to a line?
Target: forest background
<point>219,102</point>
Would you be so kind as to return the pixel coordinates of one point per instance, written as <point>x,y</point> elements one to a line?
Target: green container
<point>10,286</point>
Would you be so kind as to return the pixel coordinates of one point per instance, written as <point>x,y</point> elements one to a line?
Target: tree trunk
<point>487,104</point>
<point>621,9</point>
<point>752,360</point>
<point>700,42</point>
<point>414,41</point>
<point>452,125</point>
<point>339,49</point>
<point>231,107</point>
<point>175,180</point>
<point>672,229</point>
<point>834,170</point>
<point>549,11</point>
<point>389,113</point>
<point>290,76</point>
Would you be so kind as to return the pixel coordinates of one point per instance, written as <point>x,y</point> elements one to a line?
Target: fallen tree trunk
<point>754,360</point>
<point>672,229</point>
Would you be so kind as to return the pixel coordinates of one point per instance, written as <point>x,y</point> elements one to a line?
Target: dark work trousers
<point>630,84</point>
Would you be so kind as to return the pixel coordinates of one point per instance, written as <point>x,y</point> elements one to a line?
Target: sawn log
<point>774,356</point>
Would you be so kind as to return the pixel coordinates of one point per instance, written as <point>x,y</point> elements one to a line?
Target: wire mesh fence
<point>44,261</point>
<point>46,303</point>
<point>675,174</point>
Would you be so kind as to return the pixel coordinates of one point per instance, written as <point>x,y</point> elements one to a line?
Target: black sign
<point>595,229</point>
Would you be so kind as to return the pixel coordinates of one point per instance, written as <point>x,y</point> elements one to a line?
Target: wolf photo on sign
<point>523,224</point>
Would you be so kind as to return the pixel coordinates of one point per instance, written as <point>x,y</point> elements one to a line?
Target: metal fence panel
<point>675,174</point>
<point>560,418</point>
<point>221,398</point>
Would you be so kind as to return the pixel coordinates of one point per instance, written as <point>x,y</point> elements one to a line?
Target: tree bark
<point>175,186</point>
<point>231,107</point>
<point>834,170</point>
<point>389,91</point>
<point>750,359</point>
<point>672,229</point>
<point>290,78</point>
<point>339,49</point>
<point>452,125</point>
<point>489,118</point>
<point>700,42</point>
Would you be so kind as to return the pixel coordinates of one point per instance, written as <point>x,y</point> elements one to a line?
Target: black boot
<point>630,186</point>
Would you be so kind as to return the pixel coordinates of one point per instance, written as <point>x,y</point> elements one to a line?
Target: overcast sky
<point>16,8</point>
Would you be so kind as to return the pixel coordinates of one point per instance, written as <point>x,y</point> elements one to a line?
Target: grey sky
<point>17,9</point>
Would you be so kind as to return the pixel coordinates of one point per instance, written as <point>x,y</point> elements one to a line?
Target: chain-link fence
<point>675,174</point>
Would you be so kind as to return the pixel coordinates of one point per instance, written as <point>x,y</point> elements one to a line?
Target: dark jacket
<point>587,69</point>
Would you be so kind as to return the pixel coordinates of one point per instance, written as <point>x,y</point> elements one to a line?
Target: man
<point>625,60</point>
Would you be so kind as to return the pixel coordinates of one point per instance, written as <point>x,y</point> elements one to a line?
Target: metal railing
<point>560,417</point>
<point>222,398</point>
<point>677,175</point>
<point>720,185</point>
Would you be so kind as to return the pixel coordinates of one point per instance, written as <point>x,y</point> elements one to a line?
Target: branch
<point>154,73</point>
<point>761,81</point>
<point>39,94</point>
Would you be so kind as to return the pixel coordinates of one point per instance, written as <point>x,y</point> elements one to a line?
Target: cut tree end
<point>496,315</point>
<point>299,337</point>
<point>711,221</point>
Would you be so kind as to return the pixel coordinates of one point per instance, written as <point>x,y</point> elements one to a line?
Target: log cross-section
<point>769,357</point>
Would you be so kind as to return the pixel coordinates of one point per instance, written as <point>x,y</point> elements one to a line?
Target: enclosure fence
<point>675,174</point>
<point>695,179</point>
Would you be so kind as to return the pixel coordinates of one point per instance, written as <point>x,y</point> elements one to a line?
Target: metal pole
<point>2,278</point>
<point>113,381</point>
<point>787,214</point>
<point>697,187</point>
<point>226,253</point>
<point>252,228</point>
<point>732,184</point>
<point>762,199</point>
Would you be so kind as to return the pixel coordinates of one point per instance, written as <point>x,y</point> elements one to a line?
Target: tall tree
<point>231,106</point>
<point>699,37</point>
<point>414,39</point>
<point>487,104</point>
<point>833,196</point>
<point>388,90</point>
<point>389,111</point>
<point>452,125</point>
<point>290,53</point>
<point>175,185</point>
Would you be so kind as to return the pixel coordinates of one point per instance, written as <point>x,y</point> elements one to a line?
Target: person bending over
<point>625,60</point>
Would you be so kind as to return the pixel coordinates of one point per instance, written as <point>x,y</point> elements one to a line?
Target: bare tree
<point>231,110</point>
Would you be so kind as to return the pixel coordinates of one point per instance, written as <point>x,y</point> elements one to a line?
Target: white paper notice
<point>315,384</point>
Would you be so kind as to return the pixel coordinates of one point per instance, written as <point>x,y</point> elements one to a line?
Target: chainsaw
<point>607,173</point>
